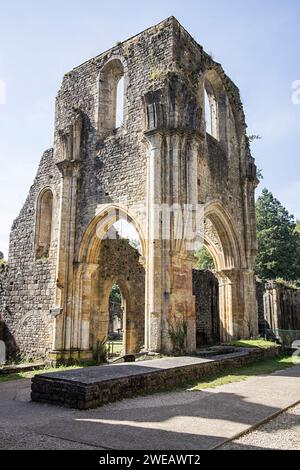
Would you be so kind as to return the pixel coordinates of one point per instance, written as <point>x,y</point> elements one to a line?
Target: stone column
<point>70,172</point>
<point>68,162</point>
<point>181,310</point>
<point>154,254</point>
<point>179,260</point>
<point>89,302</point>
<point>250,304</point>
<point>237,301</point>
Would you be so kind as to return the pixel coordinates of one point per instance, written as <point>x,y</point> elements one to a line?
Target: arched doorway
<point>224,245</point>
<point>206,292</point>
<point>106,259</point>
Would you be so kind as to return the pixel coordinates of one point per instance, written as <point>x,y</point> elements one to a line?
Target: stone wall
<point>260,291</point>
<point>30,282</point>
<point>120,264</point>
<point>113,163</point>
<point>278,306</point>
<point>206,291</point>
<point>161,154</point>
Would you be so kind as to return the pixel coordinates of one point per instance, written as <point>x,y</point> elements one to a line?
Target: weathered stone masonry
<point>278,307</point>
<point>30,282</point>
<point>206,291</point>
<point>97,173</point>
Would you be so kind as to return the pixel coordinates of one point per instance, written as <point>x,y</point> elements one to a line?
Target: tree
<point>278,242</point>
<point>297,226</point>
<point>115,295</point>
<point>204,259</point>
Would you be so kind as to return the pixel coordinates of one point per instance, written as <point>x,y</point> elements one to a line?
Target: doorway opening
<point>206,291</point>
<point>116,316</point>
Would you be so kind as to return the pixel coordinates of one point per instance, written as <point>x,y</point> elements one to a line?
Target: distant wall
<point>30,282</point>
<point>115,317</point>
<point>5,332</point>
<point>206,291</point>
<point>278,306</point>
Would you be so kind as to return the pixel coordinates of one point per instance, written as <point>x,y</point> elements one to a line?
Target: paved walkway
<point>281,433</point>
<point>177,420</point>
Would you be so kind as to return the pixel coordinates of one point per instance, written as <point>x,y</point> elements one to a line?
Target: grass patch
<point>253,343</point>
<point>31,373</point>
<point>260,367</point>
<point>115,346</point>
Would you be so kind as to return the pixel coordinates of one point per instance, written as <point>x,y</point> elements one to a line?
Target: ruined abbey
<point>172,162</point>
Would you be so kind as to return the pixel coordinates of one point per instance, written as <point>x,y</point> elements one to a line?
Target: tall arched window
<point>111,96</point>
<point>215,99</point>
<point>120,103</point>
<point>211,111</point>
<point>43,223</point>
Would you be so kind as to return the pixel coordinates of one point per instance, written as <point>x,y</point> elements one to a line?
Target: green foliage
<point>253,343</point>
<point>259,174</point>
<point>204,259</point>
<point>237,374</point>
<point>115,295</point>
<point>290,284</point>
<point>101,351</point>
<point>155,73</point>
<point>297,228</point>
<point>178,334</point>
<point>278,242</point>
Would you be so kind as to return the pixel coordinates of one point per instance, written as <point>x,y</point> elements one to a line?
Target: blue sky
<point>257,42</point>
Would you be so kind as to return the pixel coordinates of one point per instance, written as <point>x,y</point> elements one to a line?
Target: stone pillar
<point>181,307</point>
<point>250,304</point>
<point>89,291</point>
<point>230,311</point>
<point>68,162</point>
<point>154,253</point>
<point>179,301</point>
<point>237,301</point>
<point>70,172</point>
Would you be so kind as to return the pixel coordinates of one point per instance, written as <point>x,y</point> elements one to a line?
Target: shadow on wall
<point>12,350</point>
<point>206,291</point>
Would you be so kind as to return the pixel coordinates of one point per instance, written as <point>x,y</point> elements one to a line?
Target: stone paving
<point>174,420</point>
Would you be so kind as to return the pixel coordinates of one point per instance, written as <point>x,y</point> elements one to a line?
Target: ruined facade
<point>278,307</point>
<point>97,173</point>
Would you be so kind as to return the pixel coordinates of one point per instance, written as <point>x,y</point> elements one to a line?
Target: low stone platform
<point>94,386</point>
<point>17,368</point>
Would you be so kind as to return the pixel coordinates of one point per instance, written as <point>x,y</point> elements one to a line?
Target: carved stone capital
<point>69,168</point>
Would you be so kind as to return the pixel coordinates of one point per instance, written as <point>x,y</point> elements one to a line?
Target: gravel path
<point>282,433</point>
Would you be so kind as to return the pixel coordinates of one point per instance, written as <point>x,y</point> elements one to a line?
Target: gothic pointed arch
<point>43,227</point>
